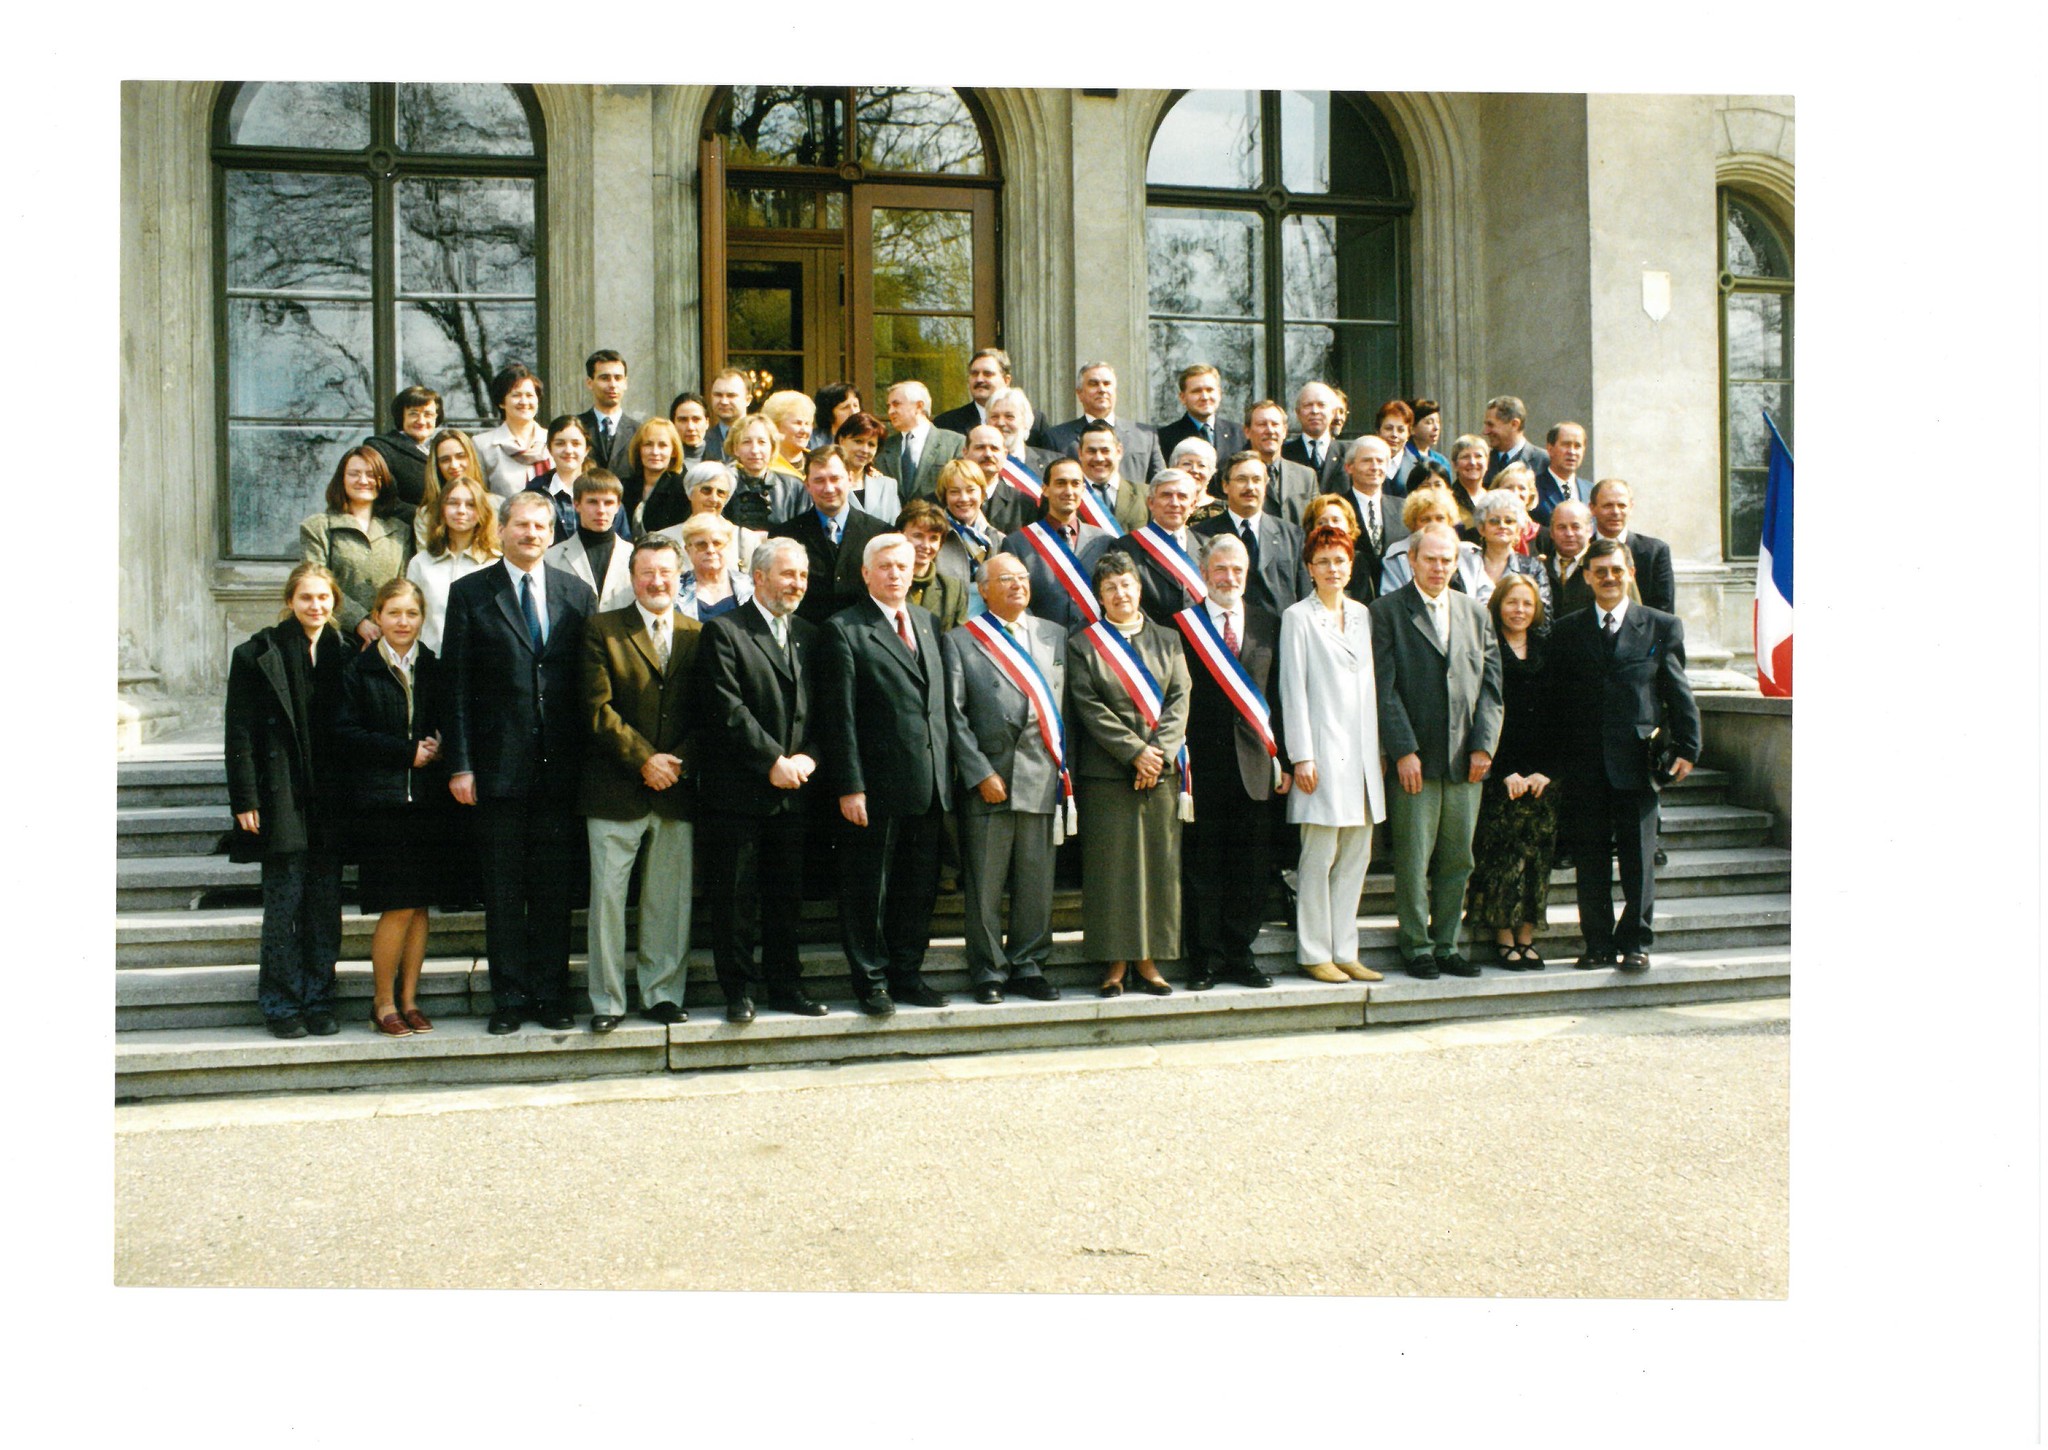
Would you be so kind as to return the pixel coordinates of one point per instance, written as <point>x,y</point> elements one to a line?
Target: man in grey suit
<point>1437,665</point>
<point>1289,485</point>
<point>1275,577</point>
<point>607,423</point>
<point>917,450</point>
<point>1063,486</point>
<point>1502,425</point>
<point>1139,456</point>
<point>1010,793</point>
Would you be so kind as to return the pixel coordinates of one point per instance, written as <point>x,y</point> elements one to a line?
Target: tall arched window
<point>850,233</point>
<point>1756,362</point>
<point>369,237</point>
<point>1275,235</point>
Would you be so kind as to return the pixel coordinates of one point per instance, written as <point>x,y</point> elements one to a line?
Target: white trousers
<point>665,892</point>
<point>1329,880</point>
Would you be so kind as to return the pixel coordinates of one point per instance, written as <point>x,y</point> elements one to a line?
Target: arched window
<point>370,237</point>
<point>850,233</point>
<point>1275,235</point>
<point>1756,362</point>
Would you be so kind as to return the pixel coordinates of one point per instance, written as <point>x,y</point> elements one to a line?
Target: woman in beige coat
<point>363,539</point>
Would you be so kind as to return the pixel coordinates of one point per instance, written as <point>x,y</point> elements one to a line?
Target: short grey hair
<point>1193,448</point>
<point>707,470</point>
<point>1026,414</point>
<point>1433,531</point>
<point>1168,475</point>
<point>916,389</point>
<point>881,544</point>
<point>1508,406</point>
<point>1223,543</point>
<point>769,550</point>
<point>1089,367</point>
<point>1360,441</point>
<point>1499,503</point>
<point>534,498</point>
<point>1572,506</point>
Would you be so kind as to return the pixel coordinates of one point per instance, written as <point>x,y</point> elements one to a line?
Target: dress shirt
<point>1568,567</point>
<point>1317,449</point>
<point>539,576</point>
<point>1376,503</point>
<point>898,616</point>
<point>835,524</point>
<point>913,445</point>
<point>1229,622</point>
<point>1620,613</point>
<point>666,622</point>
<point>777,625</point>
<point>1439,617</point>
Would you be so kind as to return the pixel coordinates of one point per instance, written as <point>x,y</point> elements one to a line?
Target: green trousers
<point>1432,839</point>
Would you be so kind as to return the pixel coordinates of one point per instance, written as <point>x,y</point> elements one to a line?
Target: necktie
<point>831,530</point>
<point>661,643</point>
<point>1250,535</point>
<point>903,631</point>
<point>1439,620</point>
<point>1073,533</point>
<point>909,460</point>
<point>604,436</point>
<point>1608,630</point>
<point>1372,521</point>
<point>1230,630</point>
<point>526,608</point>
<point>1208,433</point>
<point>780,629</point>
<point>1315,455</point>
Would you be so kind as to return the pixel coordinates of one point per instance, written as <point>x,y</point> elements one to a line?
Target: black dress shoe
<point>666,1013</point>
<point>1037,988</point>
<point>919,995</point>
<point>988,992</point>
<point>504,1020</point>
<point>878,1004</point>
<point>1658,858</point>
<point>1160,988</point>
<point>1247,977</point>
<point>1454,965</point>
<point>605,1021</point>
<point>1423,969</point>
<point>739,1010</point>
<point>322,1024</point>
<point>1200,980</point>
<point>797,1004</point>
<point>1636,962</point>
<point>293,1026</point>
<point>1591,960</point>
<point>555,1016</point>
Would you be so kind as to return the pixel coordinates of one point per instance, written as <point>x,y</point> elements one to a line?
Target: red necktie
<point>903,631</point>
<point>1229,634</point>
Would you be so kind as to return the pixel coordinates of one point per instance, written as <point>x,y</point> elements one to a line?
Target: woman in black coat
<point>284,686</point>
<point>390,740</point>
<point>1514,844</point>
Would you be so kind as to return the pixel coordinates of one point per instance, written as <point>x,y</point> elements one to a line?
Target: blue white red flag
<point>1092,512</point>
<point>1774,575</point>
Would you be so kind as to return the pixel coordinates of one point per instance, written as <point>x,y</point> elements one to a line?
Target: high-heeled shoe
<point>1112,986</point>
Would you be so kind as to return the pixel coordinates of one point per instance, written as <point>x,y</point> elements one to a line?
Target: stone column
<point>1111,138</point>
<point>623,241</point>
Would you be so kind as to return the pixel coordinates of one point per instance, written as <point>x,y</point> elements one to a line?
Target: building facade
<point>293,254</point>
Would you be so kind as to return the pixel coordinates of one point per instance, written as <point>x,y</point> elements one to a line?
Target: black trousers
<point>1605,825</point>
<point>533,861</point>
<point>1226,863</point>
<point>732,852</point>
<point>888,883</point>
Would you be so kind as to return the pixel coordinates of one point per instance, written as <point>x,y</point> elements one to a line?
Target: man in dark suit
<point>1558,480</point>
<point>1289,485</point>
<point>1379,515</point>
<point>1101,453</point>
<point>1201,394</point>
<point>1275,577</point>
<point>1654,577</point>
<point>1620,671</point>
<point>1169,500</point>
<point>1316,447</point>
<point>1138,454</point>
<point>609,426</point>
<point>881,702</point>
<point>1437,666</point>
<point>750,704</point>
<point>988,373</point>
<point>1001,503</point>
<point>917,450</point>
<point>636,665</point>
<point>513,642</point>
<point>729,393</point>
<point>833,533</point>
<point>1226,860</point>
<point>1061,515</point>
<point>1010,811</point>
<point>1502,425</point>
<point>1563,549</point>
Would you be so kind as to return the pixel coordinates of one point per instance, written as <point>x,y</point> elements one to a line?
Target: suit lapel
<point>1418,614</point>
<point>755,628</point>
<point>645,646</point>
<point>508,605</point>
<point>558,610</point>
<point>1635,635</point>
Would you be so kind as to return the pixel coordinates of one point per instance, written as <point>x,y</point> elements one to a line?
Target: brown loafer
<point>417,1020</point>
<point>391,1025</point>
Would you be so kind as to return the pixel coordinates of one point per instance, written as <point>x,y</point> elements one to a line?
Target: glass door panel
<point>924,287</point>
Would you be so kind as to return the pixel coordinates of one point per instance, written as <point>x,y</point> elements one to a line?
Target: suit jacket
<point>564,505</point>
<point>1552,491</point>
<point>1229,437</point>
<point>1656,581</point>
<point>616,590</point>
<point>941,446</point>
<point>993,729</point>
<point>945,597</point>
<point>966,418</point>
<point>1611,704</point>
<point>1219,740</point>
<point>1279,579</point>
<point>750,703</point>
<point>714,443</point>
<point>1141,459</point>
<point>1161,595</point>
<point>835,569</point>
<point>1289,487</point>
<point>1048,600</point>
<point>614,459</point>
<point>1435,704</point>
<point>882,712</point>
<point>1526,451</point>
<point>1331,478</point>
<point>515,717</point>
<point>1367,562</point>
<point>636,711</point>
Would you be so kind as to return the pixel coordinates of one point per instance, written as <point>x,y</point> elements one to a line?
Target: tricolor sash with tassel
<point>1128,666</point>
<point>1229,673</point>
<point>1014,662</point>
<point>1065,564</point>
<point>1170,556</point>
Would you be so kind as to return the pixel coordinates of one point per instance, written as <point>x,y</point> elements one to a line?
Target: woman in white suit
<point>1331,708</point>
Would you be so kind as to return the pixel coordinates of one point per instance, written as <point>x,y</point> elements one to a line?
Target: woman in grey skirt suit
<point>1127,788</point>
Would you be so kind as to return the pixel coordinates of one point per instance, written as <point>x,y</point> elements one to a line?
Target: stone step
<point>1712,828</point>
<point>169,831</point>
<point>187,782</point>
<point>210,996</point>
<point>190,1062</point>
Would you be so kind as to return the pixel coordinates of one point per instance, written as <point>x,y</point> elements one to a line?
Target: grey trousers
<point>665,892</point>
<point>1432,835</point>
<point>1010,849</point>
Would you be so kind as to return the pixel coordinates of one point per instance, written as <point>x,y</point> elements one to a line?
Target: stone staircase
<point>187,921</point>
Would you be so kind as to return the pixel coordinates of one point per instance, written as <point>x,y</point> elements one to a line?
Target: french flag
<point>1774,575</point>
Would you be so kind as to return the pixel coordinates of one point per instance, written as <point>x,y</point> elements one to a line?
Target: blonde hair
<point>751,423</point>
<point>1435,498</point>
<point>783,407</point>
<point>696,526</point>
<point>483,539</point>
<point>1322,501</point>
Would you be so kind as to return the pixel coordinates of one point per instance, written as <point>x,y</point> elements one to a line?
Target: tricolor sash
<point>1092,512</point>
<point>1171,557</point>
<point>1021,478</point>
<point>974,538</point>
<point>1014,662</point>
<point>1229,673</point>
<point>1045,541</point>
<point>1128,666</point>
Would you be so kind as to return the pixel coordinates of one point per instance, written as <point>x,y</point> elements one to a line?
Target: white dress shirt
<point>539,576</point>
